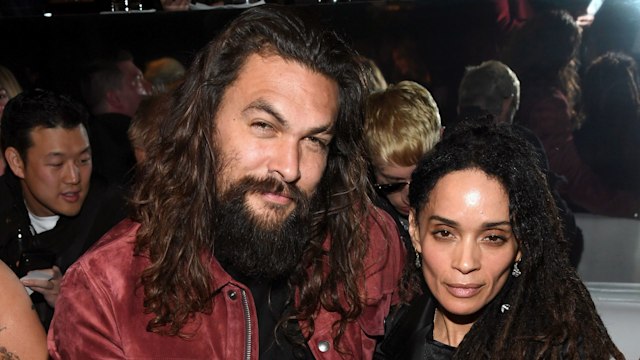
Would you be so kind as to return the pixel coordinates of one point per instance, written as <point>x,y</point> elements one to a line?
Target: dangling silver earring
<point>418,260</point>
<point>516,272</point>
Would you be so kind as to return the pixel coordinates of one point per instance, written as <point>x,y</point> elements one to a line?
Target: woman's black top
<point>409,333</point>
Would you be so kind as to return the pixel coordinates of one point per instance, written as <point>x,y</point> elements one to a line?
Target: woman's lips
<point>463,290</point>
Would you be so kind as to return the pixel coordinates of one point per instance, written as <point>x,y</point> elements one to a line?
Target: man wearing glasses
<point>402,123</point>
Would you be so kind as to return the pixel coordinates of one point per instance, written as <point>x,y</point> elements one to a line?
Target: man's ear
<point>414,231</point>
<point>112,98</point>
<point>15,161</point>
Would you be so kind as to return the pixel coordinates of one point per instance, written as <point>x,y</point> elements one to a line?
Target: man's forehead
<point>262,74</point>
<point>50,134</point>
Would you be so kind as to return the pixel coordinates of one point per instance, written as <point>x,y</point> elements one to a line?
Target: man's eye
<point>319,142</point>
<point>261,124</point>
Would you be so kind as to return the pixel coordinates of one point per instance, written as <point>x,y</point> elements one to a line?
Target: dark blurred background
<point>426,41</point>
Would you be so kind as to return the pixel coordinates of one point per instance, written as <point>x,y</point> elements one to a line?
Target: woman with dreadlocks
<point>488,240</point>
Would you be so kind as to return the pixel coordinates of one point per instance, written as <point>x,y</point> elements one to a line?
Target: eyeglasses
<point>387,189</point>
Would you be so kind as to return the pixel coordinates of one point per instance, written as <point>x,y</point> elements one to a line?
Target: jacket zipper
<point>247,323</point>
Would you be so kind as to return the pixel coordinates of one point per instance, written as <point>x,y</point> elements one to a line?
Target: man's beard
<point>258,245</point>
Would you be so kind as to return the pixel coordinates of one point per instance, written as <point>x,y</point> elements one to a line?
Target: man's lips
<point>463,290</point>
<point>278,198</point>
<point>71,196</point>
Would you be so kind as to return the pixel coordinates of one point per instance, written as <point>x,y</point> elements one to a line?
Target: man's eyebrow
<point>325,129</point>
<point>58,153</point>
<point>263,105</point>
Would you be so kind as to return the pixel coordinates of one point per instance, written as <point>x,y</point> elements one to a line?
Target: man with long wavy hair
<point>253,234</point>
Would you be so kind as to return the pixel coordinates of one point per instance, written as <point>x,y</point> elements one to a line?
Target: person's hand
<point>175,5</point>
<point>48,288</point>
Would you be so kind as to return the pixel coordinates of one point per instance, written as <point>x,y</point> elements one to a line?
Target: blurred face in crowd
<point>394,181</point>
<point>134,88</point>
<point>55,173</point>
<point>467,244</point>
<point>4,99</point>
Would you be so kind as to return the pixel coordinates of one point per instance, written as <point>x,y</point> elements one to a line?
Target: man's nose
<point>285,161</point>
<point>71,174</point>
<point>405,194</point>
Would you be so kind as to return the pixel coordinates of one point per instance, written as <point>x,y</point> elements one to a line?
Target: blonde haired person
<point>9,87</point>
<point>21,334</point>
<point>402,123</point>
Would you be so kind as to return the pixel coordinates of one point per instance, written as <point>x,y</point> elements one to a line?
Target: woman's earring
<point>418,260</point>
<point>516,272</point>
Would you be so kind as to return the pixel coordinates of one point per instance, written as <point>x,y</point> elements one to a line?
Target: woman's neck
<point>450,330</point>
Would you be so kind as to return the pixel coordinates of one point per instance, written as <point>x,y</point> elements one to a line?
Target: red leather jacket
<point>100,312</point>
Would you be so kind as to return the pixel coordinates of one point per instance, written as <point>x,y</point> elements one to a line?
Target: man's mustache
<point>268,185</point>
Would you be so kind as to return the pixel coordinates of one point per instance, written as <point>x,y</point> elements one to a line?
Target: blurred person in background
<point>113,87</point>
<point>544,55</point>
<point>609,137</point>
<point>163,74</point>
<point>9,87</point>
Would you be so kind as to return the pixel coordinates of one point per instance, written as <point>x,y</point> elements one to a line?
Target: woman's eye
<point>442,233</point>
<point>495,238</point>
